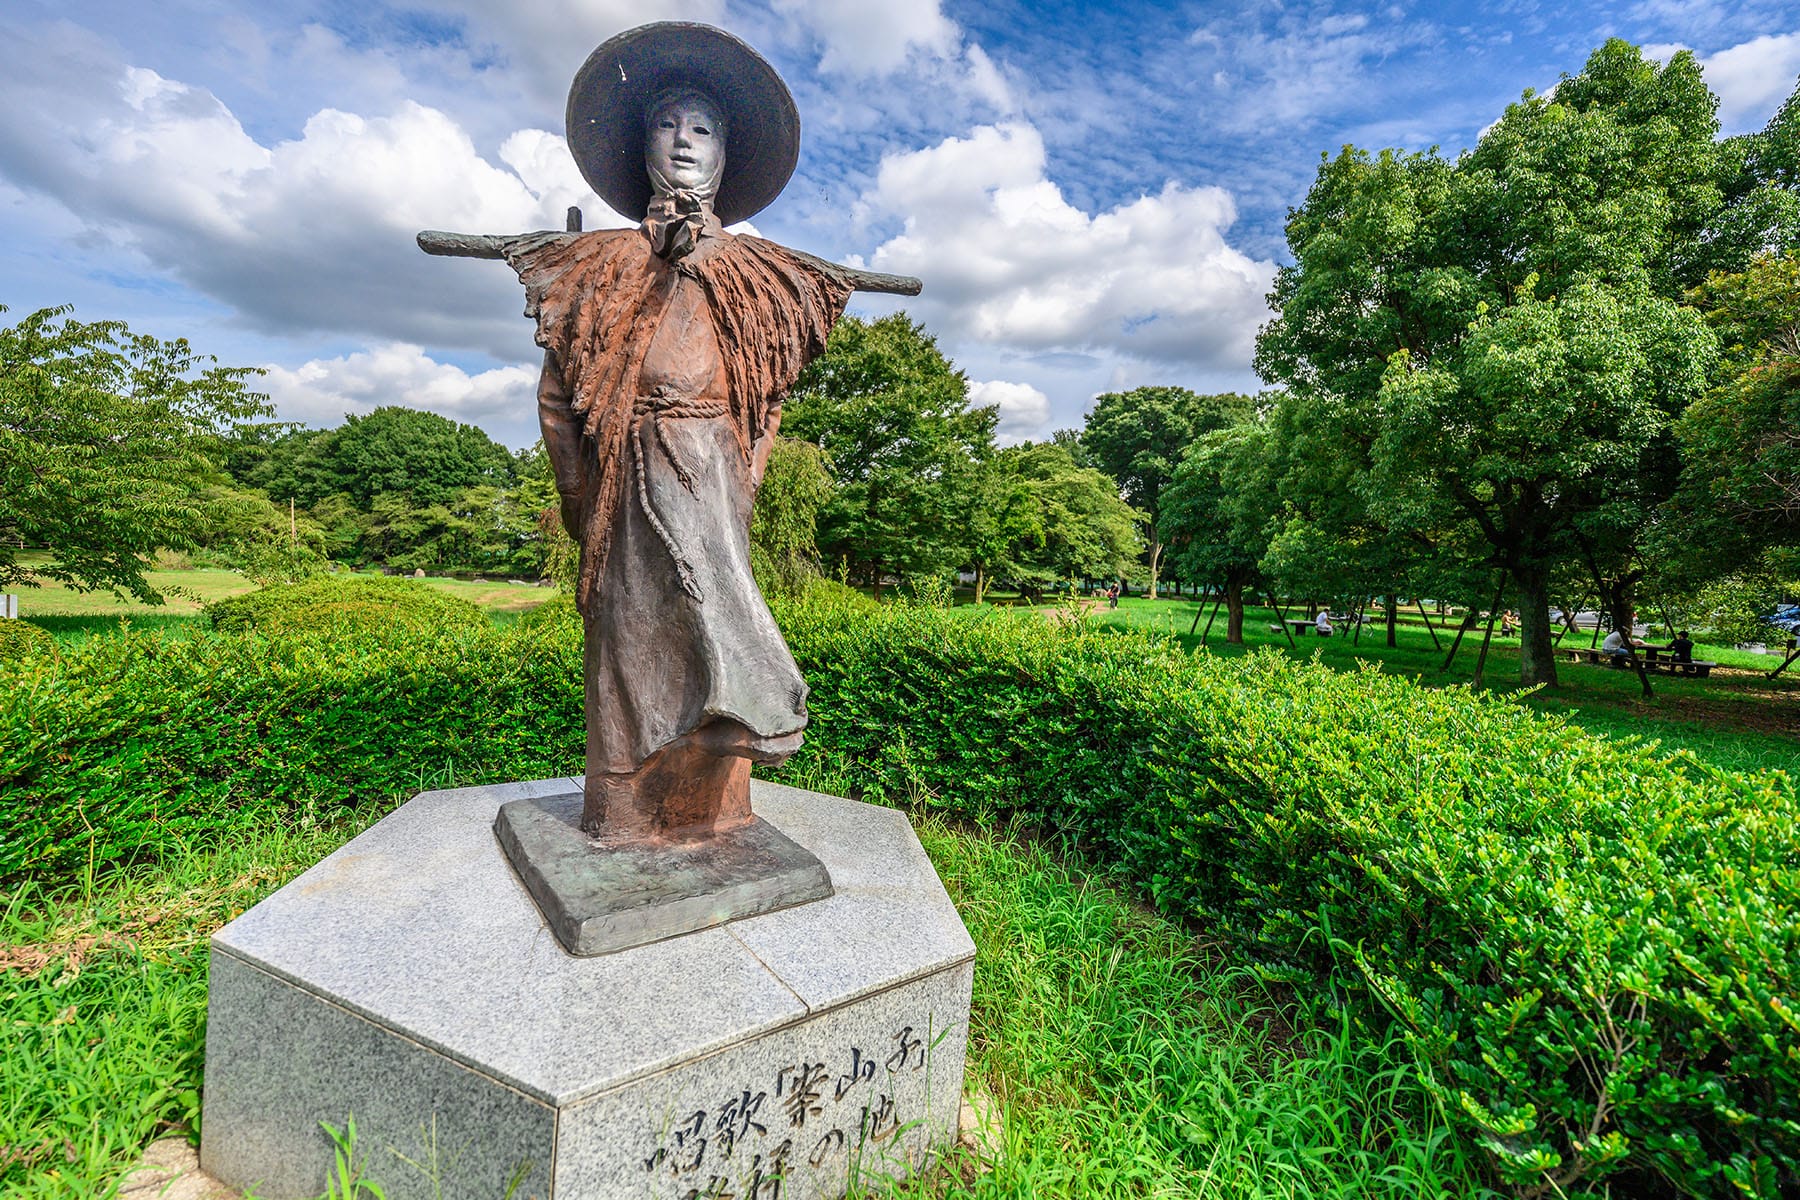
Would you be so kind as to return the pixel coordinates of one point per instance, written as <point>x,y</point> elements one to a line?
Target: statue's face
<point>685,142</point>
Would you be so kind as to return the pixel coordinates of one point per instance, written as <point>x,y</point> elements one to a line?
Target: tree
<point>1505,333</point>
<point>265,542</point>
<point>1139,436</point>
<point>409,452</point>
<point>784,525</point>
<point>892,415</point>
<point>1042,520</point>
<point>1740,488</point>
<point>107,445</point>
<point>1219,509</point>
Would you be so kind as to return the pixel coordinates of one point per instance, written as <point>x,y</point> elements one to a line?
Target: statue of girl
<point>668,349</point>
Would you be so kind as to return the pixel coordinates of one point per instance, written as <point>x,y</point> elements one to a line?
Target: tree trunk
<point>1393,616</point>
<point>1537,657</point>
<point>1234,612</point>
<point>1619,607</point>
<point>981,586</point>
<point>1156,549</point>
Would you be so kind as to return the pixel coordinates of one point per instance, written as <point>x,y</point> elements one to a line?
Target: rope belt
<point>647,418</point>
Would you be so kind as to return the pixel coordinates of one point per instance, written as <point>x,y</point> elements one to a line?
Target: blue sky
<point>1093,194</point>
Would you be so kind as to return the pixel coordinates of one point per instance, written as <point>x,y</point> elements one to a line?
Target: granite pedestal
<point>410,980</point>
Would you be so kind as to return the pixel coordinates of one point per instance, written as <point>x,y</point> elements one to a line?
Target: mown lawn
<point>67,612</point>
<point>1735,718</point>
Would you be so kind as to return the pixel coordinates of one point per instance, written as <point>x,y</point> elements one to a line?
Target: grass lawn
<point>1736,718</point>
<point>69,613</point>
<point>1125,1057</point>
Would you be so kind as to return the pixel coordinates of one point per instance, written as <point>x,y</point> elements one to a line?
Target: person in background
<point>1509,624</point>
<point>1322,623</point>
<point>1618,646</point>
<point>1681,650</point>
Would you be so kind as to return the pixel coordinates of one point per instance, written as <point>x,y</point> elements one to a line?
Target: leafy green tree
<point>267,543</point>
<point>393,450</point>
<point>784,525</point>
<point>892,415</point>
<point>1138,437</point>
<point>1070,441</point>
<point>1219,509</point>
<point>107,446</point>
<point>405,451</point>
<point>1740,490</point>
<point>1043,521</point>
<point>288,464</point>
<point>1505,333</point>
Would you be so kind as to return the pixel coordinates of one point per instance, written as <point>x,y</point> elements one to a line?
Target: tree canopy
<point>1138,437</point>
<point>892,415</point>
<point>403,451</point>
<point>107,447</point>
<point>1042,521</point>
<point>1502,340</point>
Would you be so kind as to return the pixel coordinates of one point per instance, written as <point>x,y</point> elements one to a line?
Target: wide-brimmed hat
<point>625,74</point>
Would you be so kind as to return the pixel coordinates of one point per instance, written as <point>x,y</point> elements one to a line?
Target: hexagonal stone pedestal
<point>409,980</point>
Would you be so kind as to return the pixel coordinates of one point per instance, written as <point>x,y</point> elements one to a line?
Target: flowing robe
<point>662,391</point>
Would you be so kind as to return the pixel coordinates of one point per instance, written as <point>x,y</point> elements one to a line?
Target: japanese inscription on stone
<point>843,1106</point>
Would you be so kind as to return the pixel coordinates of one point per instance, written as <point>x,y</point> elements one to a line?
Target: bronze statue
<point>668,349</point>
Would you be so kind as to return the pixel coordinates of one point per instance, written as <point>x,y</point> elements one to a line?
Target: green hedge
<point>345,603</point>
<point>132,743</point>
<point>20,638</point>
<point>1592,949</point>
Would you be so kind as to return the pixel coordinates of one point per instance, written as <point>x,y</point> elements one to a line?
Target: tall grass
<point>1124,1056</point>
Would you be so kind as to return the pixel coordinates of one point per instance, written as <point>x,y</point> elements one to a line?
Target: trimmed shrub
<point>329,603</point>
<point>558,610</point>
<point>1592,948</point>
<point>20,638</point>
<point>132,744</point>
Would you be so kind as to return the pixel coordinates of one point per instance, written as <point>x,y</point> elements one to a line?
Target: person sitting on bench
<point>1322,624</point>
<point>1617,646</point>
<point>1681,650</point>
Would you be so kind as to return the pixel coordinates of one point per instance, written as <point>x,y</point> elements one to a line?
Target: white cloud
<point>1024,411</point>
<point>1306,68</point>
<point>860,38</point>
<point>326,390</point>
<point>300,235</point>
<point>1752,79</point>
<point>1007,260</point>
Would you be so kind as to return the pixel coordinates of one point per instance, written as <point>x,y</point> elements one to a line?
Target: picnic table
<point>1653,660</point>
<point>1301,625</point>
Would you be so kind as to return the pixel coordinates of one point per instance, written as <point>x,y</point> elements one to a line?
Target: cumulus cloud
<point>1008,260</point>
<point>1752,79</point>
<point>873,39</point>
<point>1024,411</point>
<point>326,390</point>
<point>313,233</point>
